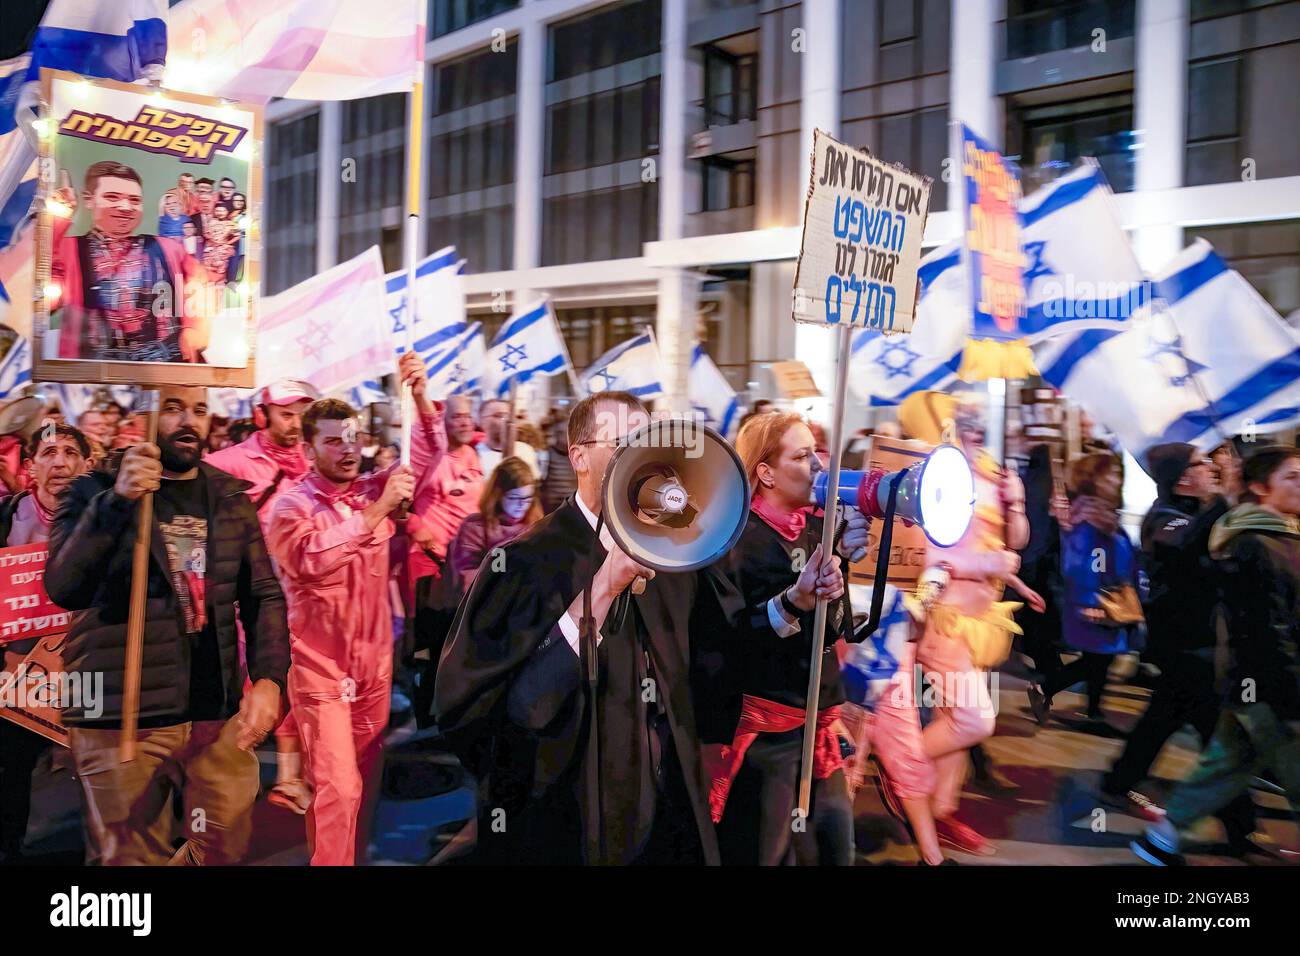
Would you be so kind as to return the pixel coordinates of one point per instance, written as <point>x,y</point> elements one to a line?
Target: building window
<point>603,128</point>
<point>472,158</point>
<point>728,184</point>
<point>1208,9</point>
<point>589,333</point>
<point>1034,27</point>
<point>374,142</point>
<point>1213,121</point>
<point>604,224</point>
<point>447,16</point>
<point>292,175</point>
<point>1267,254</point>
<point>617,34</point>
<point>729,87</point>
<point>1047,140</point>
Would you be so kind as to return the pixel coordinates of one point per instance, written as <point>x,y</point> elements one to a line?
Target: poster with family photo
<point>148,251</point>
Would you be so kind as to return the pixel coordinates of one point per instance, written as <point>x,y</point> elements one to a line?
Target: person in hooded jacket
<point>1257,549</point>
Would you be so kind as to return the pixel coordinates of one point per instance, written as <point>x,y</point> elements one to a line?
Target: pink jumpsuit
<point>335,573</point>
<point>251,460</point>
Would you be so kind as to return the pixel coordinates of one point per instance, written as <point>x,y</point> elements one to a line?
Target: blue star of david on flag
<point>1037,264</point>
<point>515,354</point>
<point>398,312</point>
<point>606,381</point>
<point>896,359</point>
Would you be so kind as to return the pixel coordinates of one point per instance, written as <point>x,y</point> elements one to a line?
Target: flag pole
<point>139,591</point>
<point>578,390</point>
<point>414,180</point>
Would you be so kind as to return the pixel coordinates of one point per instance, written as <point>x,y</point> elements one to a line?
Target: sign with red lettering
<point>26,611</point>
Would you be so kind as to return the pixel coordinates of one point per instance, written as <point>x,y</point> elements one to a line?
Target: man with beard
<point>197,724</point>
<point>56,455</point>
<point>272,461</point>
<point>119,296</point>
<point>330,536</point>
<point>510,691</point>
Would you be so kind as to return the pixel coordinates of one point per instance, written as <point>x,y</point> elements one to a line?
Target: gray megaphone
<point>675,496</point>
<point>937,493</point>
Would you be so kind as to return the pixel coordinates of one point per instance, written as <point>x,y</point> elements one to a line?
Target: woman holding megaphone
<point>779,567</point>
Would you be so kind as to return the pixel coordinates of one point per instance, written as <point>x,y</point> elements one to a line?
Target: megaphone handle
<point>882,558</point>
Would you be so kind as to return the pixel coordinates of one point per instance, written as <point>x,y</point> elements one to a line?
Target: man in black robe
<point>511,694</point>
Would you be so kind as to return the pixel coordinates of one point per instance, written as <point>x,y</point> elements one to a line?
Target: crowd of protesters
<point>304,578</point>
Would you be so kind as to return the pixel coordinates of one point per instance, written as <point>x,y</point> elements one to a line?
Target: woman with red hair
<point>779,567</point>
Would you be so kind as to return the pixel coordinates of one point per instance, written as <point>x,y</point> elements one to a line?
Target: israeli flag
<point>440,312</point>
<point>232,403</point>
<point>17,155</point>
<point>458,370</point>
<point>1080,271</point>
<point>365,394</point>
<point>15,368</point>
<point>632,367</point>
<point>1212,360</point>
<point>72,399</point>
<point>885,369</point>
<point>528,346</point>
<point>712,398</point>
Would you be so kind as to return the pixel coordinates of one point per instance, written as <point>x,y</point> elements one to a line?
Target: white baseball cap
<point>286,391</point>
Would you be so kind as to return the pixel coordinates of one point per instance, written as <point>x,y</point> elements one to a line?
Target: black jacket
<point>1260,592</point>
<point>1180,600</point>
<point>775,668</point>
<point>511,702</point>
<point>9,508</point>
<point>89,571</point>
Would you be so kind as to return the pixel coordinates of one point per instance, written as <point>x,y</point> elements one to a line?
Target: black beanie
<point>1166,464</point>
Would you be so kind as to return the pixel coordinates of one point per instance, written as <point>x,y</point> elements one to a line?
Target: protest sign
<point>908,542</point>
<point>863,224</point>
<point>795,380</point>
<point>26,611</point>
<point>994,256</point>
<point>33,685</point>
<point>147,248</point>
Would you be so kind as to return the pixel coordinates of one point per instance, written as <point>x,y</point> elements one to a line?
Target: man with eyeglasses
<point>510,696</point>
<point>1179,608</point>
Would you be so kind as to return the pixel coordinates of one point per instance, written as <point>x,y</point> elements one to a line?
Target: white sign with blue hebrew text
<point>861,247</point>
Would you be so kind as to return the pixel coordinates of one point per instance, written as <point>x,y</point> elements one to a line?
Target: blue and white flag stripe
<point>711,395</point>
<point>458,369</point>
<point>1211,360</point>
<point>631,366</point>
<point>1080,271</point>
<point>116,41</point>
<point>529,345</point>
<point>15,368</point>
<point>888,368</point>
<point>17,154</point>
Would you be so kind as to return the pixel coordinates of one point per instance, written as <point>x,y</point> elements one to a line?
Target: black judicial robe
<point>511,698</point>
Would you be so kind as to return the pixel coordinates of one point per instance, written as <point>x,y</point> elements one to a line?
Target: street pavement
<point>1051,817</point>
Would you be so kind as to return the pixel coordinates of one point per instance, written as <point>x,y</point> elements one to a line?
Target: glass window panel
<point>1213,100</point>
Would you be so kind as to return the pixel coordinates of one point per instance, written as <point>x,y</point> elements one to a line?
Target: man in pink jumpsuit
<point>329,536</point>
<point>273,460</point>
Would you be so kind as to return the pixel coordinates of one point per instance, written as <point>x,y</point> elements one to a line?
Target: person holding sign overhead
<point>197,725</point>
<point>330,537</point>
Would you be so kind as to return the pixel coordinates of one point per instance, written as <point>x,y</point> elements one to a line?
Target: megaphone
<point>937,493</point>
<point>675,496</point>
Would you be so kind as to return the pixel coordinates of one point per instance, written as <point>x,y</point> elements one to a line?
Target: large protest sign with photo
<point>862,231</point>
<point>994,254</point>
<point>147,254</point>
<point>33,684</point>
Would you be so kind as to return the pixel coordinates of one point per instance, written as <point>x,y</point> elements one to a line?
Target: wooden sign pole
<point>135,619</point>
<point>828,551</point>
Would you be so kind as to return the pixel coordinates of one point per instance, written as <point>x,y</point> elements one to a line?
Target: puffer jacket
<point>89,572</point>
